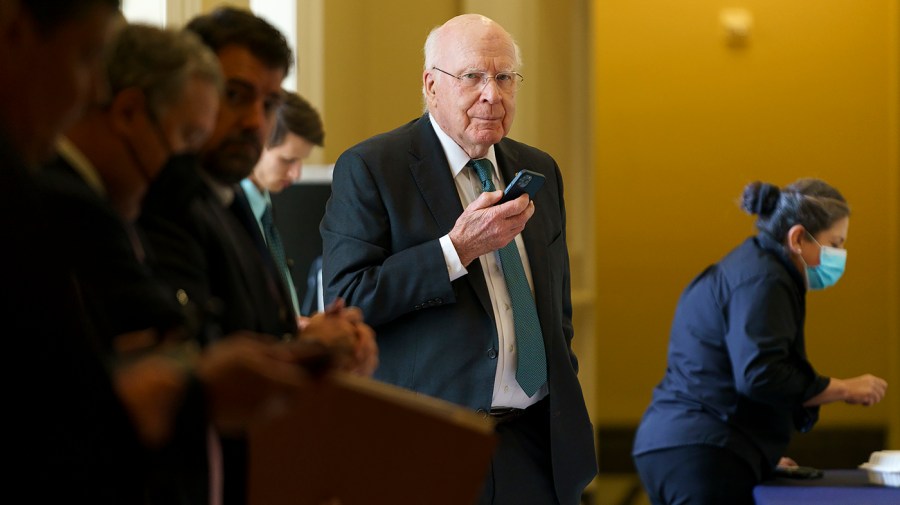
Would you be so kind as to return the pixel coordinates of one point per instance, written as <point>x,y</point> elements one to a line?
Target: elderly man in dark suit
<point>471,300</point>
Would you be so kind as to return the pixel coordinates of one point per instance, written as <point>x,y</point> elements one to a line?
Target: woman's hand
<point>787,462</point>
<point>863,390</point>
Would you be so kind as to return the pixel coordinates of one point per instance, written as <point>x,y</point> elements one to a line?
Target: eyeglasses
<point>506,81</point>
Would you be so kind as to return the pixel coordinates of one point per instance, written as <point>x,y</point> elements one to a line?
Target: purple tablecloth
<point>837,487</point>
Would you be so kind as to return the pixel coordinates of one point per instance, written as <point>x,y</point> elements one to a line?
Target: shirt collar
<point>223,192</point>
<point>82,166</point>
<point>456,157</point>
<point>259,199</point>
<point>776,248</point>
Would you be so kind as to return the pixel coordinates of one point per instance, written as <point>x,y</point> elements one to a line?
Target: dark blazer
<point>73,440</point>
<point>120,294</point>
<point>199,247</point>
<point>118,290</point>
<point>393,197</point>
<point>737,373</point>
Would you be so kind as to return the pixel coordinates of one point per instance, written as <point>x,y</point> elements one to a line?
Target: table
<point>836,487</point>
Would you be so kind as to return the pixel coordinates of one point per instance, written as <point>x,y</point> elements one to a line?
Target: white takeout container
<point>883,468</point>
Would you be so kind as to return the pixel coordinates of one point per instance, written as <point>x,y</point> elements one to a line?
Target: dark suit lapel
<point>242,210</point>
<point>429,169</point>
<point>256,278</point>
<point>76,181</point>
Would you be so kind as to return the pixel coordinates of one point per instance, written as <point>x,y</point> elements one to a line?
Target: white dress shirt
<point>507,392</point>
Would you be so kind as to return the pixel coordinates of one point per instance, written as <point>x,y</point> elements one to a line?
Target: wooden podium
<point>363,442</point>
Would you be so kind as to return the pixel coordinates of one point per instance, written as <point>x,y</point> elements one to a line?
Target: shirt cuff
<point>455,269</point>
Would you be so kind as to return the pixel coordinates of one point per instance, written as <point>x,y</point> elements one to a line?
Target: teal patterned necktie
<point>531,370</point>
<point>273,241</point>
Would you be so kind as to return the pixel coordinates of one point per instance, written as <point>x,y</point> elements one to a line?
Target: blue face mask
<point>830,268</point>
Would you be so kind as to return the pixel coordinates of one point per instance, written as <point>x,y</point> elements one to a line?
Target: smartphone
<point>798,472</point>
<point>525,181</point>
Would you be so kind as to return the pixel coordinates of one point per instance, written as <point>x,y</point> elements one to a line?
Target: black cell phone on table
<point>525,181</point>
<point>798,472</point>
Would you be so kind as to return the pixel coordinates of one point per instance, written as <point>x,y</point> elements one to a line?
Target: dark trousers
<point>521,473</point>
<point>696,475</point>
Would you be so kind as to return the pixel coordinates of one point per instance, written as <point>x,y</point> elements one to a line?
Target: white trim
<point>316,174</point>
<point>151,12</point>
<point>282,15</point>
<point>320,291</point>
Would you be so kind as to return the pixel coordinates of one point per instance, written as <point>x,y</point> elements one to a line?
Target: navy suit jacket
<point>393,197</point>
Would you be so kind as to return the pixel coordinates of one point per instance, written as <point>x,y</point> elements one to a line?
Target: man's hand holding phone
<point>524,182</point>
<point>487,224</point>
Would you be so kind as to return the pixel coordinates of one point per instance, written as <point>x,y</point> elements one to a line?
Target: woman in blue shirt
<point>738,380</point>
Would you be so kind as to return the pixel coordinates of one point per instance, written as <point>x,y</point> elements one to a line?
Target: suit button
<point>492,353</point>
<point>483,413</point>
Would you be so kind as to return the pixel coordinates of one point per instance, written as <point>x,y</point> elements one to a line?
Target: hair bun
<point>760,198</point>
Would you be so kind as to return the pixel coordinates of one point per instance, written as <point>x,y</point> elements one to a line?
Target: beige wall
<point>373,66</point>
<point>684,120</point>
<point>209,5</point>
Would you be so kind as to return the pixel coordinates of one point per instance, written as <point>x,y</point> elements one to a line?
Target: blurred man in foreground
<point>83,422</point>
